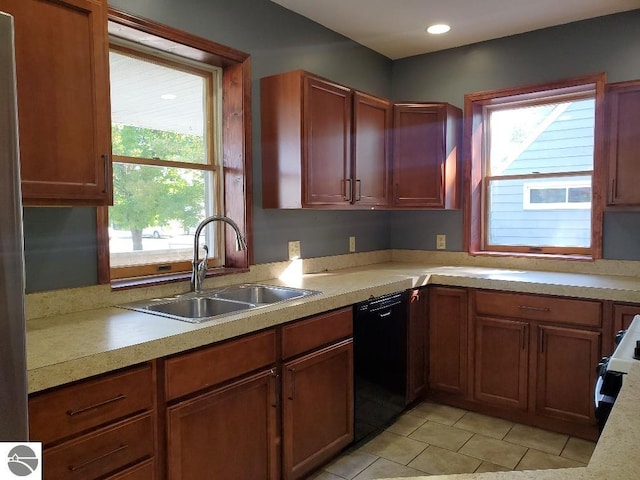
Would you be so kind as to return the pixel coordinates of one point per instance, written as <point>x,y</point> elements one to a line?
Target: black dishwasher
<point>380,362</point>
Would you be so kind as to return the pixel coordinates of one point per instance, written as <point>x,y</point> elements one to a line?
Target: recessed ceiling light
<point>168,96</point>
<point>438,28</point>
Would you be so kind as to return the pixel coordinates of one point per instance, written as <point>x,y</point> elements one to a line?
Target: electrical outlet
<point>294,249</point>
<point>352,244</point>
<point>441,242</point>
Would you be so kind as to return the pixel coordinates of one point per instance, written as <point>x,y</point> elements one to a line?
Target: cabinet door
<point>317,415</point>
<point>63,100</point>
<point>371,150</point>
<point>623,316</point>
<point>623,118</point>
<point>327,143</point>
<point>229,433</point>
<point>417,352</point>
<point>501,362</point>
<point>566,375</point>
<point>425,152</point>
<point>448,340</point>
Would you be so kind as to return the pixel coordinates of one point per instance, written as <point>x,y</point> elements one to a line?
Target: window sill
<point>537,256</point>
<point>127,283</point>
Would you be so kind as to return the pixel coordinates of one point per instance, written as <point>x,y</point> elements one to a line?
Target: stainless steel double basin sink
<point>212,304</point>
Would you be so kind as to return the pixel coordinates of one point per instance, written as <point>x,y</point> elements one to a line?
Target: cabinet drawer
<point>317,331</point>
<point>142,471</point>
<point>88,404</point>
<point>190,372</point>
<point>101,452</point>
<point>539,307</point>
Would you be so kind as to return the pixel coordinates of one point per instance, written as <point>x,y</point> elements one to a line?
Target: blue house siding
<point>565,144</point>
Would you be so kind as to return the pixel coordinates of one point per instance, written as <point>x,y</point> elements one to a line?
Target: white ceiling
<point>396,28</point>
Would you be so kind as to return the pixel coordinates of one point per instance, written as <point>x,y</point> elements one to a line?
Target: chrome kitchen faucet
<point>199,268</point>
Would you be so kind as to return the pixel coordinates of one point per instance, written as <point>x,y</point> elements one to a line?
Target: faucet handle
<point>202,266</point>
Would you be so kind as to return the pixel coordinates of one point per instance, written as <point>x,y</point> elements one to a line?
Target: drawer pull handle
<point>535,309</point>
<point>75,468</point>
<point>71,413</point>
<point>292,390</point>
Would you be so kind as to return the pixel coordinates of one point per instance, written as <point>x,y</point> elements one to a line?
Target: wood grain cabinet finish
<point>426,144</point>
<point>101,452</point>
<point>566,372</point>
<point>372,127</point>
<point>448,344</point>
<point>324,145</point>
<point>317,410</point>
<point>623,139</point>
<point>227,434</point>
<point>417,343</point>
<point>306,141</point>
<point>501,362</point>
<point>535,356</point>
<point>63,100</point>
<point>98,427</point>
<point>623,315</point>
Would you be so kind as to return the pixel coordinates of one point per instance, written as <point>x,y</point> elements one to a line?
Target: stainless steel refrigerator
<point>13,370</point>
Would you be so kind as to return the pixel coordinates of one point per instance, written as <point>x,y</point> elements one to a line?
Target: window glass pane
<point>157,111</point>
<point>548,195</point>
<point>155,212</point>
<point>546,218</point>
<point>550,138</point>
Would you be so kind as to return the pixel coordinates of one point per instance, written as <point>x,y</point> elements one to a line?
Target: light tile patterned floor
<point>436,439</point>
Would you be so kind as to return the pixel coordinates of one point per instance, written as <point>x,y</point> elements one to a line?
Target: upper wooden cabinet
<point>623,136</point>
<point>372,120</point>
<point>306,141</point>
<point>323,145</point>
<point>63,100</point>
<point>426,139</point>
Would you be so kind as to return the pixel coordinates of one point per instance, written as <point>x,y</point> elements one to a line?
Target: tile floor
<point>437,439</point>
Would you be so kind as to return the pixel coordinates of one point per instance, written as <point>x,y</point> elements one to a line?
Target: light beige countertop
<point>67,347</point>
<point>63,347</point>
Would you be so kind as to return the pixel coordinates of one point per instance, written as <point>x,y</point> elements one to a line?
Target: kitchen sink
<point>198,307</point>
<point>261,294</point>
<point>211,304</point>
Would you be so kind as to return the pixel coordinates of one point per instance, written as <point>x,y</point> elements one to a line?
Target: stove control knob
<point>619,336</point>
<point>602,366</point>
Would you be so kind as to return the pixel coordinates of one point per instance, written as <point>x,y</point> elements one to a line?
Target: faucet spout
<point>198,270</point>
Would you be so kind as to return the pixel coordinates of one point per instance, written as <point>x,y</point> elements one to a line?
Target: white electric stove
<point>611,370</point>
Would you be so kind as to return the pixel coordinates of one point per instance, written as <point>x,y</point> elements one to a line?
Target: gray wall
<point>608,44</point>
<point>60,242</point>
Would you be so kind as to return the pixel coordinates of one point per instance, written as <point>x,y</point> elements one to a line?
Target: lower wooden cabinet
<point>501,362</point>
<point>227,434</point>
<point>317,410</point>
<point>102,427</point>
<point>417,344</point>
<point>525,357</point>
<point>99,453</point>
<point>448,340</point>
<point>566,372</point>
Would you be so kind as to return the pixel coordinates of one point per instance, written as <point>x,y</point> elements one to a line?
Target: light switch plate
<point>441,242</point>
<point>352,244</point>
<point>294,249</point>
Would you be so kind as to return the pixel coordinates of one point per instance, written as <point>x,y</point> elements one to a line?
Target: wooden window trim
<point>236,137</point>
<point>473,208</point>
